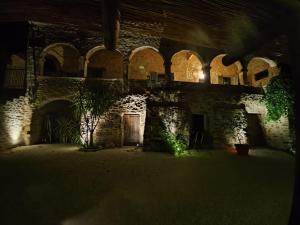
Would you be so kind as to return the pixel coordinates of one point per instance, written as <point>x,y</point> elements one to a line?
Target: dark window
<point>226,80</point>
<point>261,75</point>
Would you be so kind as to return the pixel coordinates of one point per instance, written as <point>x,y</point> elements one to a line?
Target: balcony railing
<point>15,79</point>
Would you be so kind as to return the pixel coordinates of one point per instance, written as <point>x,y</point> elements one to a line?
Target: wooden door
<point>131,129</point>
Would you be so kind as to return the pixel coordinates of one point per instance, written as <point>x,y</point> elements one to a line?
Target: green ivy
<point>279,98</point>
<point>175,145</point>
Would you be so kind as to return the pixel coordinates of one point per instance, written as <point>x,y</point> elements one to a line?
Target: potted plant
<point>241,148</point>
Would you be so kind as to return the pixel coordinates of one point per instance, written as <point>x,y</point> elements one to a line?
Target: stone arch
<point>145,62</point>
<point>261,71</point>
<point>56,108</point>
<point>221,74</point>
<point>187,66</point>
<point>103,63</point>
<point>63,59</point>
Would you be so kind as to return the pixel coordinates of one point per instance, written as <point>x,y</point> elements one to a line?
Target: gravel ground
<point>58,185</point>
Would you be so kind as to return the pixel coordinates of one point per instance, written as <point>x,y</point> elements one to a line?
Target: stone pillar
<point>81,67</point>
<point>111,23</point>
<point>30,80</point>
<point>245,76</point>
<point>86,63</point>
<point>41,66</point>
<point>169,74</point>
<point>206,71</point>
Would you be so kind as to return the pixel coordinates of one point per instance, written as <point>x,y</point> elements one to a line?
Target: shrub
<point>173,144</point>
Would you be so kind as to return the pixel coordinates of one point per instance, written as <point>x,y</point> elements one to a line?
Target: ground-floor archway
<point>54,122</point>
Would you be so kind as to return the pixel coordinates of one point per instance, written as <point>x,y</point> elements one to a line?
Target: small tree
<point>92,101</point>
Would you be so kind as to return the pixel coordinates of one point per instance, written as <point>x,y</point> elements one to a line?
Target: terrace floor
<point>58,185</point>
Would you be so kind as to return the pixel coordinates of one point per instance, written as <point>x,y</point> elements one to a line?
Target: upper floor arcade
<point>136,59</point>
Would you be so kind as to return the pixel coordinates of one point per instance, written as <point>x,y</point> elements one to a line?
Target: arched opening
<point>54,123</point>
<point>103,63</point>
<point>187,67</point>
<point>52,66</point>
<point>15,72</point>
<point>261,71</point>
<point>145,63</point>
<point>228,75</point>
<point>60,60</point>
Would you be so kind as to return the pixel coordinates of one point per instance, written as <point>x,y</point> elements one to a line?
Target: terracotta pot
<point>242,149</point>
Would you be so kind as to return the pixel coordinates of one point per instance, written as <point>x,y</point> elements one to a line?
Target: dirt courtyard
<point>58,185</point>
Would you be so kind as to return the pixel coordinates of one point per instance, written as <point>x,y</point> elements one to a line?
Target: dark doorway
<point>255,133</point>
<point>55,123</point>
<point>131,129</point>
<point>49,127</point>
<point>196,131</point>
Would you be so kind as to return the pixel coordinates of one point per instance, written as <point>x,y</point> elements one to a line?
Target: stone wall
<point>110,132</point>
<point>165,112</point>
<point>15,122</point>
<point>218,104</point>
<point>277,133</point>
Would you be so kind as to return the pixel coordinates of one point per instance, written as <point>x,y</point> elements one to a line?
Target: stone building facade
<point>157,83</point>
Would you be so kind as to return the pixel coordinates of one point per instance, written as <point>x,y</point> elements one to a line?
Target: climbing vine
<point>279,98</point>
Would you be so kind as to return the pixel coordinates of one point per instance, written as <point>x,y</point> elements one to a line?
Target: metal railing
<point>15,78</point>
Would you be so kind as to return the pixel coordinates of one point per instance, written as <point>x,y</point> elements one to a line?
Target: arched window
<point>261,71</point>
<point>187,67</point>
<point>60,60</point>
<point>103,63</point>
<point>221,74</point>
<point>145,63</point>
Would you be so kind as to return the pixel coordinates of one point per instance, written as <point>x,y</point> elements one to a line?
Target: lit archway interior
<point>221,74</point>
<point>261,71</point>
<point>60,60</point>
<point>144,63</point>
<point>105,64</point>
<point>187,67</point>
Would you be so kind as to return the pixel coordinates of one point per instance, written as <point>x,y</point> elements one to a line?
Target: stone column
<point>206,71</point>
<point>85,70</point>
<point>245,76</point>
<point>169,74</point>
<point>30,80</point>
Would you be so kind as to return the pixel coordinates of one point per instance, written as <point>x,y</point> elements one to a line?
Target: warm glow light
<point>201,75</point>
